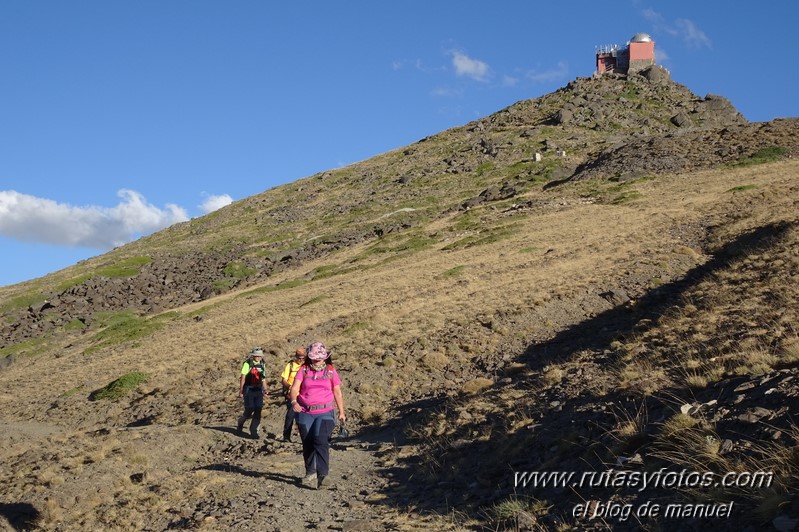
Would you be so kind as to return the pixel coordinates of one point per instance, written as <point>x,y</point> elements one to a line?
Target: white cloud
<point>509,81</point>
<point>32,219</point>
<point>691,34</point>
<point>682,28</point>
<point>661,56</point>
<point>559,72</point>
<point>213,203</point>
<point>466,66</point>
<point>447,92</point>
<point>654,17</point>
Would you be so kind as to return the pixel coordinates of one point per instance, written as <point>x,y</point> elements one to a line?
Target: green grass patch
<point>764,155</point>
<point>468,221</point>
<point>626,197</point>
<point>27,348</point>
<point>72,391</point>
<point>389,245</point>
<point>530,249</point>
<point>519,168</point>
<point>628,182</point>
<point>355,327</point>
<point>223,285</point>
<point>630,92</point>
<point>292,283</point>
<point>326,270</point>
<point>28,299</point>
<point>313,300</point>
<point>126,268</point>
<point>488,236</point>
<point>484,168</point>
<point>125,326</point>
<point>75,325</point>
<point>238,270</point>
<point>120,387</point>
<point>546,169</point>
<point>234,271</point>
<point>452,272</point>
<point>75,281</point>
<point>742,188</point>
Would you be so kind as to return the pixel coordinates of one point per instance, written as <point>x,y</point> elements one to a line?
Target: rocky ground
<point>204,477</point>
<point>628,304</point>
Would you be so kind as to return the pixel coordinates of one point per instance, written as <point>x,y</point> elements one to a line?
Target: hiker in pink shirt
<point>314,396</point>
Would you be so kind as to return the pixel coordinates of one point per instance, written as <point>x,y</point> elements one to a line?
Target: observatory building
<point>636,56</point>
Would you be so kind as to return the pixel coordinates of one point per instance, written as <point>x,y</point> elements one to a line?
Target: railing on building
<point>607,48</point>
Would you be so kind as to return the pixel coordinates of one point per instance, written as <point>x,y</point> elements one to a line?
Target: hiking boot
<point>309,481</point>
<point>240,429</point>
<point>324,483</point>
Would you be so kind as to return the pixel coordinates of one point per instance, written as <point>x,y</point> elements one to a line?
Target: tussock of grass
<point>629,430</point>
<point>643,375</point>
<point>519,513</point>
<point>452,272</point>
<point>742,188</point>
<point>772,468</point>
<point>120,387</point>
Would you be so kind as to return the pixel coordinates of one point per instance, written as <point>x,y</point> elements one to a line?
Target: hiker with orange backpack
<point>315,394</point>
<point>287,378</point>
<point>252,389</point>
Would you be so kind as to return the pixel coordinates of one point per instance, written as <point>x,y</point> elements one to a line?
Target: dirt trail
<point>269,473</point>
<point>160,477</point>
<point>365,496</point>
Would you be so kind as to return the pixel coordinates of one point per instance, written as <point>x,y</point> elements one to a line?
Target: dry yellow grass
<point>549,268</point>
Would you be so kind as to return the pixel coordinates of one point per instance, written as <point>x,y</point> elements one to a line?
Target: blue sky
<point>119,118</point>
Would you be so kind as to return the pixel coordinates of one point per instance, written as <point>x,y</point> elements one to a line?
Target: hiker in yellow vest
<point>287,378</point>
<point>252,389</point>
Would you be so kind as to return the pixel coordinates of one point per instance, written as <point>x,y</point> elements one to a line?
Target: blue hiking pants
<point>253,404</point>
<point>316,431</point>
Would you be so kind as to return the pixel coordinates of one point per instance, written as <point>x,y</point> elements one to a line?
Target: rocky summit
<point>578,313</point>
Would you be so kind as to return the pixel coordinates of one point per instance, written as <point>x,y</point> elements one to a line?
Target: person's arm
<point>241,385</point>
<point>294,393</point>
<point>284,379</point>
<point>339,402</point>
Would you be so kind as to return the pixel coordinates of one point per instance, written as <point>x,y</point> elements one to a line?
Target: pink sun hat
<point>317,351</point>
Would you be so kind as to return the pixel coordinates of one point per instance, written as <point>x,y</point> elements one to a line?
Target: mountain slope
<point>491,313</point>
